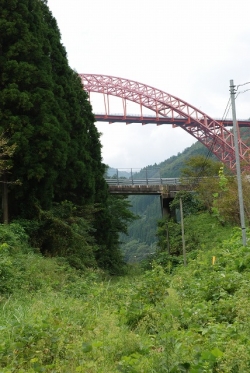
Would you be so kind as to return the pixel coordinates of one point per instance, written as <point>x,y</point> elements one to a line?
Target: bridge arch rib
<point>205,129</point>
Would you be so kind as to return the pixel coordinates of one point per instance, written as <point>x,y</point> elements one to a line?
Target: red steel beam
<point>210,132</point>
<point>160,120</point>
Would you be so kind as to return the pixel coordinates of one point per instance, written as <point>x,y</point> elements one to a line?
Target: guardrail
<point>148,181</point>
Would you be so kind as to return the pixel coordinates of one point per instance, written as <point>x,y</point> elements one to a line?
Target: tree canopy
<point>46,113</point>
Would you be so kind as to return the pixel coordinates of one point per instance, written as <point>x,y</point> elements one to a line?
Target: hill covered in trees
<point>54,181</point>
<point>61,311</point>
<point>142,233</point>
<point>141,240</point>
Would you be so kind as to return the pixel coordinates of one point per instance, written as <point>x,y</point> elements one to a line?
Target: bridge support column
<point>165,205</point>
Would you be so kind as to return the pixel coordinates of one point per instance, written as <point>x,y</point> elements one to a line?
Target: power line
<point>210,149</point>
<point>229,104</point>
<point>225,114</point>
<point>226,109</point>
<point>240,85</point>
<point>241,92</point>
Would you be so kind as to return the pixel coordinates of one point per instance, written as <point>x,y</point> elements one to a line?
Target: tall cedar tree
<point>112,220</point>
<point>44,110</point>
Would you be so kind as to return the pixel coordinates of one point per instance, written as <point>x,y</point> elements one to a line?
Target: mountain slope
<point>141,239</point>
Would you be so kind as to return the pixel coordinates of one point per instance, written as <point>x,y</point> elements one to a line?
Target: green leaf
<point>87,347</point>
<point>216,352</point>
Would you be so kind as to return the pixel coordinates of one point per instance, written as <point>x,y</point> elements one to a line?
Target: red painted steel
<point>205,129</point>
<point>143,119</point>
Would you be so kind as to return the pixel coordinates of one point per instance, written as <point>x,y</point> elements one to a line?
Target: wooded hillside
<point>61,195</point>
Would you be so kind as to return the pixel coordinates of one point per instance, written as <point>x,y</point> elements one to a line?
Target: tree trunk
<point>5,200</point>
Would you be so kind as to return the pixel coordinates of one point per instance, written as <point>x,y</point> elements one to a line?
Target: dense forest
<point>141,240</point>
<point>68,301</point>
<point>54,178</point>
<point>159,317</point>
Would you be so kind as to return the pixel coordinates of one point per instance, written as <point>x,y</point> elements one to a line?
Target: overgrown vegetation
<point>214,189</point>
<point>170,318</point>
<point>60,309</point>
<point>163,318</point>
<point>45,115</point>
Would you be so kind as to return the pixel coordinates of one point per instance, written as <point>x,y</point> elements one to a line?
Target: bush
<point>62,232</point>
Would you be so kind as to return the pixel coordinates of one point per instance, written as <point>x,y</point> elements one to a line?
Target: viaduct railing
<point>142,183</point>
<point>135,176</point>
<point>147,181</point>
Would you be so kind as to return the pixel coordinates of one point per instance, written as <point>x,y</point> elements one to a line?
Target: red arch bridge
<point>169,109</point>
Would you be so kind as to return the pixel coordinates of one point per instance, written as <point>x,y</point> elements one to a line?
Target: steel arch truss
<point>208,131</point>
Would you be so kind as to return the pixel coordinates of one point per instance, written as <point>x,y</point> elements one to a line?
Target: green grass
<point>59,320</point>
<point>54,332</point>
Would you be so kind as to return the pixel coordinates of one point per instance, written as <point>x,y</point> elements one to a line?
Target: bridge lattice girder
<point>205,129</point>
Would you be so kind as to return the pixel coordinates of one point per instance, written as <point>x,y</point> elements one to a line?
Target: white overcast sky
<point>188,48</point>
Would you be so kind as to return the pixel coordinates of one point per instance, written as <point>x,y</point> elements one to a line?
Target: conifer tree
<point>44,111</point>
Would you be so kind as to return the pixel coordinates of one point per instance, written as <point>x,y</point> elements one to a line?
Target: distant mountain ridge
<point>141,240</point>
<point>172,166</point>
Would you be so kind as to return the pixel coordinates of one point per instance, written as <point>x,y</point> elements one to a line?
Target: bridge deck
<point>179,121</point>
<point>136,189</point>
<point>145,181</point>
<point>161,187</point>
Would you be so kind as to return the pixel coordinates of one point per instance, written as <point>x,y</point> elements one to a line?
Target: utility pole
<point>167,231</point>
<point>183,235</point>
<point>237,159</point>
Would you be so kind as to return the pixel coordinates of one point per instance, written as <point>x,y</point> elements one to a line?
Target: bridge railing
<point>146,181</point>
<point>138,176</point>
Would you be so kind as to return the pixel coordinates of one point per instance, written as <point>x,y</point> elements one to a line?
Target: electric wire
<point>238,93</point>
<point>226,110</point>
<point>210,150</point>
<point>241,92</point>
<point>240,85</point>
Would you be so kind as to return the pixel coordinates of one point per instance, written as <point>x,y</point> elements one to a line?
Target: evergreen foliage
<point>199,166</point>
<point>149,209</point>
<point>6,153</point>
<point>64,231</point>
<point>45,112</point>
<point>172,166</point>
<point>141,239</point>
<point>112,221</point>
